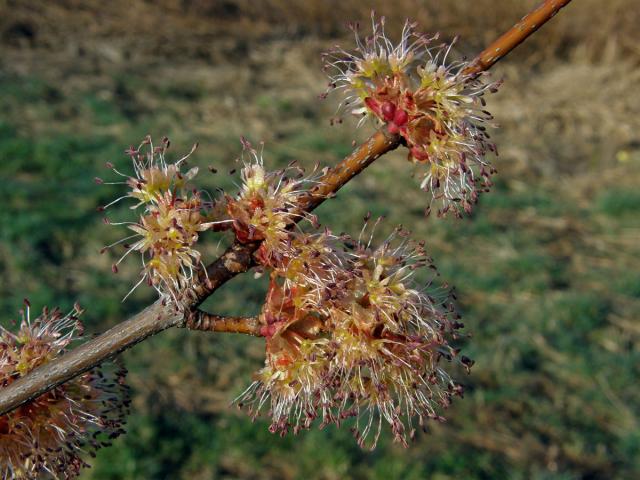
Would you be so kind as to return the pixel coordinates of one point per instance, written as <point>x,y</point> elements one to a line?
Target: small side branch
<point>377,145</point>
<point>208,322</point>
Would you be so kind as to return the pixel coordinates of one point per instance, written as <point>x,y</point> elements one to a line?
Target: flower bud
<point>267,205</point>
<point>173,216</point>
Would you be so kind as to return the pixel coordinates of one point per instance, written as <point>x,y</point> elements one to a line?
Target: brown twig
<point>151,320</point>
<point>209,322</point>
<point>239,257</point>
<point>515,35</point>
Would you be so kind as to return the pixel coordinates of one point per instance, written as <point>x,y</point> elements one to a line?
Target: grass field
<point>547,270</point>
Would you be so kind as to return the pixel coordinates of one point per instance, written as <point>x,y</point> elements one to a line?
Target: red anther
<point>388,111</point>
<point>400,117</point>
<point>393,128</point>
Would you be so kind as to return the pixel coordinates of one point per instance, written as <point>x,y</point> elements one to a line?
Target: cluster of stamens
<point>173,216</point>
<point>54,433</point>
<point>267,206</point>
<point>348,331</point>
<point>435,105</point>
<point>349,334</point>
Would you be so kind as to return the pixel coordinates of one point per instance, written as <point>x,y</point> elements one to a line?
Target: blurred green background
<point>547,269</point>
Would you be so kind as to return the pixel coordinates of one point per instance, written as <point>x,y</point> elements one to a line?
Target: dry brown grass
<point>195,28</point>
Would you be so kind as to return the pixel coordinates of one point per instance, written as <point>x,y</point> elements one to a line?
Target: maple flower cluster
<point>57,430</point>
<point>173,216</point>
<point>348,331</point>
<point>350,334</point>
<point>267,204</point>
<point>435,106</point>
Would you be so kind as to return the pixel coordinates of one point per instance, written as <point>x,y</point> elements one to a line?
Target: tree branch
<point>515,35</point>
<point>151,320</point>
<point>239,257</point>
<point>208,322</point>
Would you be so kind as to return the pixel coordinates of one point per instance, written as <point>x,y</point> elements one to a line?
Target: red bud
<point>388,111</point>
<point>400,117</point>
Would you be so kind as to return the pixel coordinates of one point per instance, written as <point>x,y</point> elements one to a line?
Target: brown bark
<point>208,322</point>
<point>149,321</point>
<point>515,35</point>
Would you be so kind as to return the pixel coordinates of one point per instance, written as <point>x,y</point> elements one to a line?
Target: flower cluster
<point>435,106</point>
<point>173,216</point>
<point>349,334</point>
<point>54,432</point>
<point>267,206</point>
<point>348,331</point>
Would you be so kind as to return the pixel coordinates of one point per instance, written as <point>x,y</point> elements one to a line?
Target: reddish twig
<point>515,35</point>
<point>209,322</point>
